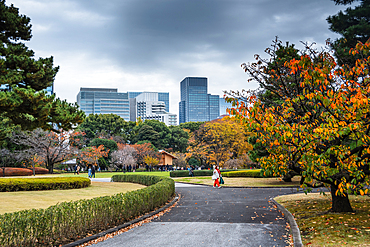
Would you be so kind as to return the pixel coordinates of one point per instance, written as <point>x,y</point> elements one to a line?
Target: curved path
<point>207,216</point>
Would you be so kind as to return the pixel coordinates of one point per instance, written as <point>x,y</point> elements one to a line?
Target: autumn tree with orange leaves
<point>91,155</point>
<point>217,141</point>
<point>143,150</point>
<point>320,125</point>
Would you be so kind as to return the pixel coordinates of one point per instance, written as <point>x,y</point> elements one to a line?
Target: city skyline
<point>137,45</point>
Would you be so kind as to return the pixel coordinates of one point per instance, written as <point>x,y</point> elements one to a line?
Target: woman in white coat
<point>215,177</point>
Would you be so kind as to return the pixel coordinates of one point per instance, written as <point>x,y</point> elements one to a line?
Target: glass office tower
<point>196,104</point>
<point>214,106</point>
<point>165,97</point>
<point>104,101</point>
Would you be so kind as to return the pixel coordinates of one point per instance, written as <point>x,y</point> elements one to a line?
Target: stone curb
<point>101,234</point>
<point>248,187</point>
<point>293,224</point>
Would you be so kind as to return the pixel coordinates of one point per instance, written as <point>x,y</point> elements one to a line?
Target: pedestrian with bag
<point>215,177</point>
<point>219,173</point>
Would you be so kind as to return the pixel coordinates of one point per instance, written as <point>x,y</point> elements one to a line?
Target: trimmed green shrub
<point>28,184</point>
<point>256,173</point>
<point>68,221</point>
<point>197,173</point>
<point>140,170</point>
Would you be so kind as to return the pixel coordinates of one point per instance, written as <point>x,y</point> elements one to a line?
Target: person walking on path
<point>93,171</point>
<point>89,172</point>
<point>191,173</point>
<point>78,169</point>
<point>215,177</point>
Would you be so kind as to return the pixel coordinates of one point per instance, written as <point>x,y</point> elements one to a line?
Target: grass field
<point>20,200</point>
<point>320,228</point>
<point>242,182</point>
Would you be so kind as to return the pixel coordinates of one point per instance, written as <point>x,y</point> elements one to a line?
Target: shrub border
<point>115,229</point>
<point>252,173</point>
<point>44,183</point>
<point>197,173</point>
<point>29,229</point>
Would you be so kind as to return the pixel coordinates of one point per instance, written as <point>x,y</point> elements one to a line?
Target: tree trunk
<point>50,167</point>
<point>340,204</point>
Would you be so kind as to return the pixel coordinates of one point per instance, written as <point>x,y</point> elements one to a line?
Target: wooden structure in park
<point>166,158</point>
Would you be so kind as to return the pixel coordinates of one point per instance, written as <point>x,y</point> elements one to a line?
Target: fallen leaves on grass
<point>322,228</point>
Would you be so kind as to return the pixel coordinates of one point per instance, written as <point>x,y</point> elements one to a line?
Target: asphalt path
<point>207,216</point>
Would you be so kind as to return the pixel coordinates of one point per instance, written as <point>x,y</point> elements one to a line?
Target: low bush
<point>256,173</point>
<point>140,170</point>
<point>28,184</point>
<point>14,171</point>
<point>197,173</point>
<point>68,221</point>
<point>248,173</point>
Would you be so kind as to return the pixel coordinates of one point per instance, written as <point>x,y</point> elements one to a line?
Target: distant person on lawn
<point>89,172</point>
<point>93,171</point>
<point>215,177</point>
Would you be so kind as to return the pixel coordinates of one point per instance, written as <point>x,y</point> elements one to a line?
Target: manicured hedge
<point>185,173</point>
<point>256,173</point>
<point>14,171</point>
<point>68,221</point>
<point>28,184</point>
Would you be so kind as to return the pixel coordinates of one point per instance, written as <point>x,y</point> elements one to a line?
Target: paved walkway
<point>207,216</point>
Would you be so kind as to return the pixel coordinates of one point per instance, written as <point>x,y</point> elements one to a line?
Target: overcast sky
<point>151,45</point>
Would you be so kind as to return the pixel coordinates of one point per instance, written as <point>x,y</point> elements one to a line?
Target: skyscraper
<point>104,101</point>
<point>196,104</point>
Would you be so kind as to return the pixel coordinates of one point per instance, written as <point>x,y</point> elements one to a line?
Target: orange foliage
<point>321,125</point>
<point>91,155</point>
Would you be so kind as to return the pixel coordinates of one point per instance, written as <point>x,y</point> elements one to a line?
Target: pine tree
<point>353,25</point>
<point>23,79</point>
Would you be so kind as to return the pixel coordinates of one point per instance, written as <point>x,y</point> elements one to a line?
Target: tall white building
<point>149,106</point>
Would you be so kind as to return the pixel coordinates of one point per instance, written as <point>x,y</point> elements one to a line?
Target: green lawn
<point>322,228</point>
<point>20,200</point>
<point>16,201</point>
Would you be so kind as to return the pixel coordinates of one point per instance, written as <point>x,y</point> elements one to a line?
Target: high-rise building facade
<point>196,104</point>
<point>214,106</point>
<point>129,106</point>
<point>104,101</point>
<point>153,105</point>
